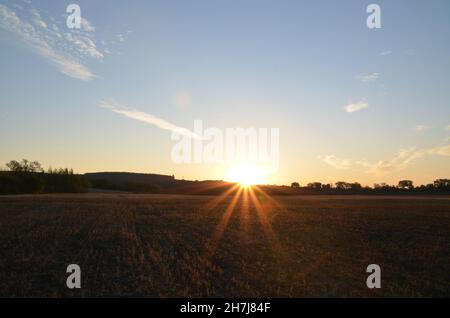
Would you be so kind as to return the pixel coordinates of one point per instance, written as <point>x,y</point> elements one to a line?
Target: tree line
<point>438,186</point>
<point>29,177</point>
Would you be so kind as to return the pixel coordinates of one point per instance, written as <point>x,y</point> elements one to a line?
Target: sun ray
<point>208,186</point>
<point>268,197</point>
<point>212,204</point>
<point>244,214</point>
<point>263,219</point>
<point>220,229</point>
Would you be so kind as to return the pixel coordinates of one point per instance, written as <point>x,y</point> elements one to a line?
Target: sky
<point>350,103</point>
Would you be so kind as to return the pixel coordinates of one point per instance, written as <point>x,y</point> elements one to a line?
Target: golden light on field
<point>244,199</point>
<point>246,175</point>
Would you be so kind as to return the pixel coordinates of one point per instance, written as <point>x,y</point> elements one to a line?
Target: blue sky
<point>299,66</point>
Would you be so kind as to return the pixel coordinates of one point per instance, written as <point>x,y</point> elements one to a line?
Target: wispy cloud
<point>447,128</point>
<point>146,118</point>
<point>441,150</point>
<point>399,161</point>
<point>422,127</point>
<point>37,19</point>
<point>86,25</point>
<point>354,107</point>
<point>365,78</point>
<point>64,50</point>
<point>386,52</point>
<point>339,163</point>
<point>84,45</point>
<point>120,37</point>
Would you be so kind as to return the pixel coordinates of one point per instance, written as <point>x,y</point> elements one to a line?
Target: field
<point>200,246</point>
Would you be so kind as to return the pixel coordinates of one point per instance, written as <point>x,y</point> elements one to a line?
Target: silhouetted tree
<point>405,184</point>
<point>295,185</point>
<point>355,186</point>
<point>24,166</point>
<point>314,185</point>
<point>342,185</point>
<point>442,183</point>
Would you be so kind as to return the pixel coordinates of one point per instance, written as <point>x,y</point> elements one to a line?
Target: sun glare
<point>246,175</point>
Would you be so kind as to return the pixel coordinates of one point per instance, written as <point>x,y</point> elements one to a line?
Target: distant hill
<point>130,177</point>
<point>157,183</point>
<point>153,183</point>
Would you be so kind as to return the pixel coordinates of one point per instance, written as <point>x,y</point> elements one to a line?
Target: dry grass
<point>179,246</point>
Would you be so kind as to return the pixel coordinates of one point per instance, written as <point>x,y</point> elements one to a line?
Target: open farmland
<point>200,246</point>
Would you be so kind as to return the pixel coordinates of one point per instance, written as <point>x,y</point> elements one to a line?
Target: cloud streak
<point>422,127</point>
<point>84,45</point>
<point>47,41</point>
<point>355,107</point>
<point>147,118</point>
<point>366,78</point>
<point>37,19</point>
<point>386,52</point>
<point>399,161</point>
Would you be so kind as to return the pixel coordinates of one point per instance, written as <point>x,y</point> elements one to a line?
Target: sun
<point>246,175</point>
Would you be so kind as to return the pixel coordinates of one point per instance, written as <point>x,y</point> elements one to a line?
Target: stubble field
<point>200,246</point>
